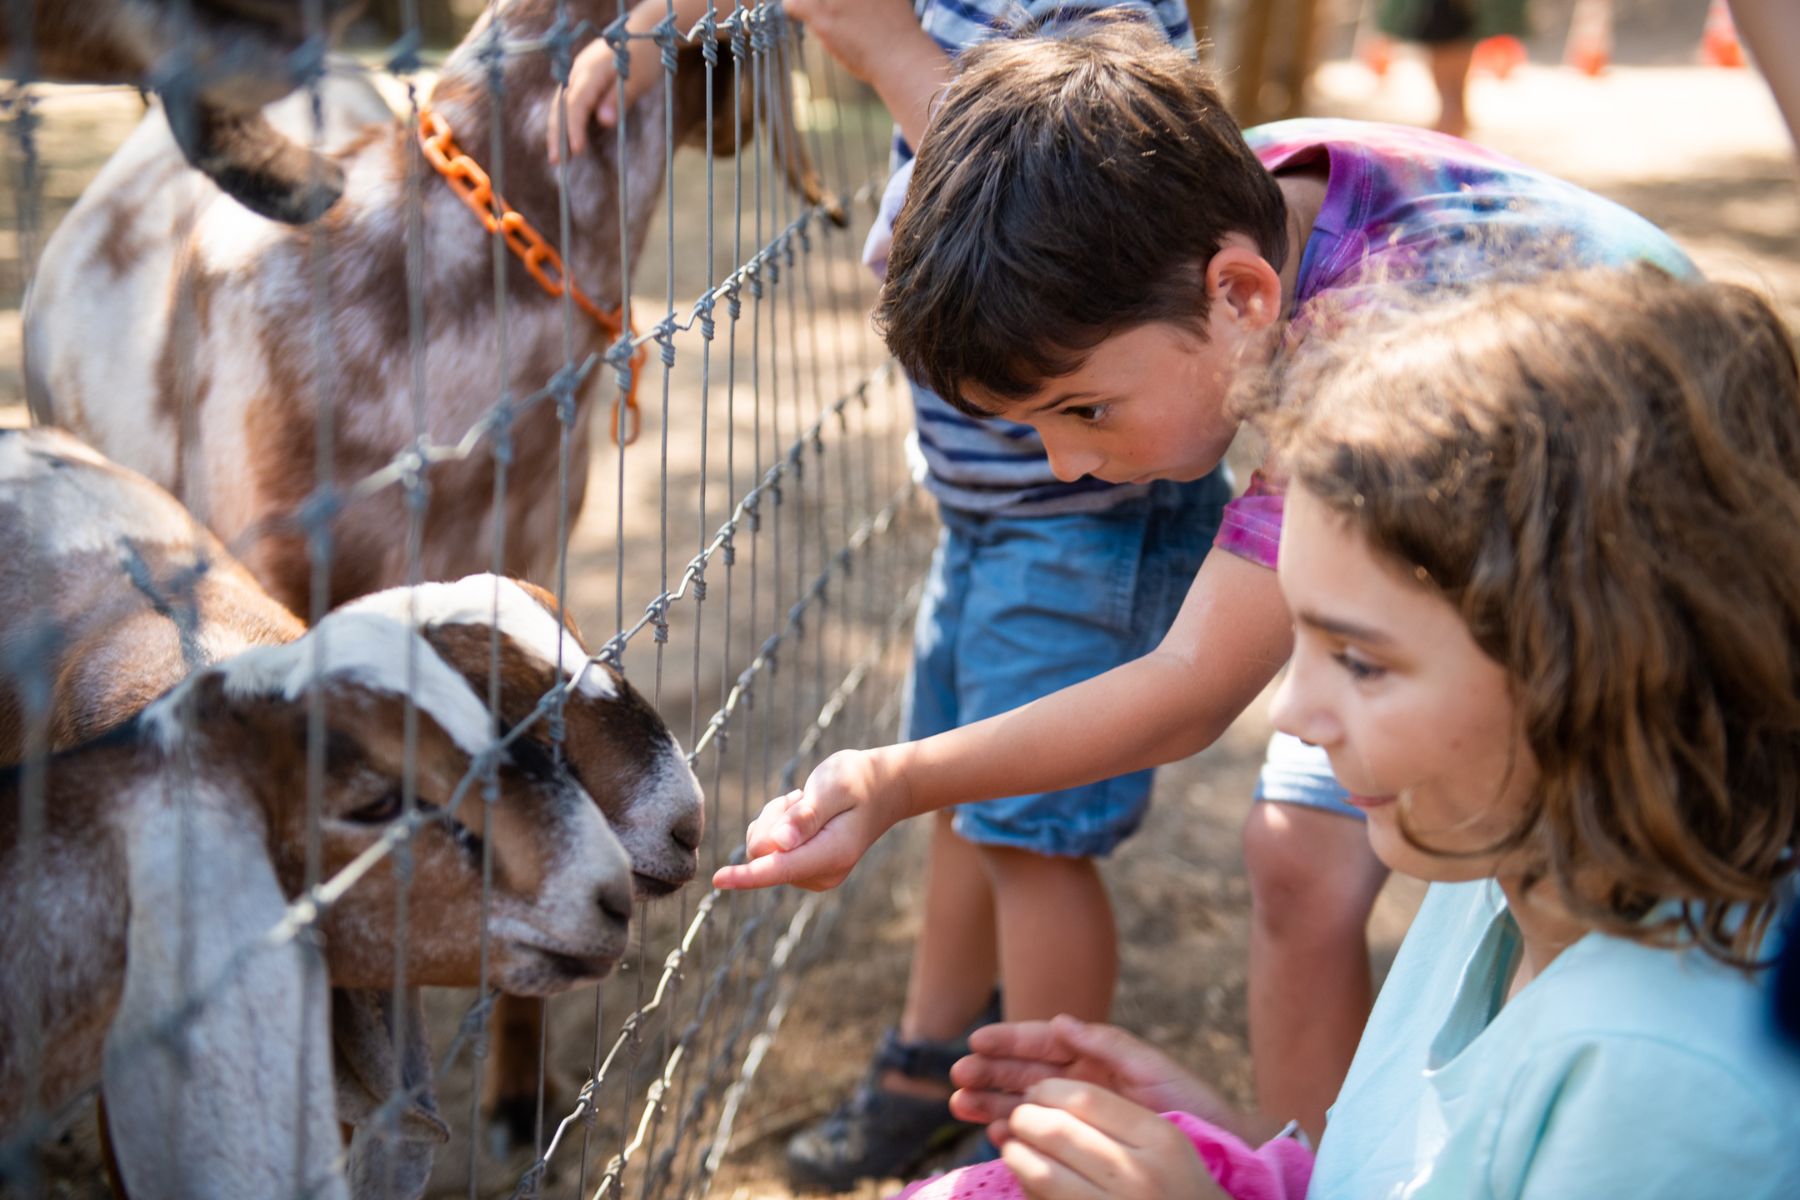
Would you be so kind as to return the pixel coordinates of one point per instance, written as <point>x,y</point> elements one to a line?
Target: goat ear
<point>776,107</point>
<point>548,601</point>
<point>200,1073</point>
<point>374,1056</point>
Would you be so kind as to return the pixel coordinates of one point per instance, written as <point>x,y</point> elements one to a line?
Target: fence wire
<point>763,532</point>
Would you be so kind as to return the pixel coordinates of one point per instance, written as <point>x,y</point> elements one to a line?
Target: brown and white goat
<point>162,854</point>
<point>226,351</point>
<point>70,521</point>
<point>216,64</point>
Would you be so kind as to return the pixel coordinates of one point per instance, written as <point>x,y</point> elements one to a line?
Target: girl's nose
<point>1297,708</point>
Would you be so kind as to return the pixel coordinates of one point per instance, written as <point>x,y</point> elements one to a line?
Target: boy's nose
<point>1069,465</point>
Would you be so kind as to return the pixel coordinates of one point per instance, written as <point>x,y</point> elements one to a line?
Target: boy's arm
<point>880,42</point>
<point>1231,636</point>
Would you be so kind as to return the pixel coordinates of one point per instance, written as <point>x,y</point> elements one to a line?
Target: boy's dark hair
<point>1073,185</point>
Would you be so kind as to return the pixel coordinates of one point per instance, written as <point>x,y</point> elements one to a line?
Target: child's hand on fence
<point>812,837</point>
<point>593,93</point>
<point>1008,1059</point>
<point>1073,1141</point>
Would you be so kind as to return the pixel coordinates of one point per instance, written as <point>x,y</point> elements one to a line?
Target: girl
<point>1542,551</point>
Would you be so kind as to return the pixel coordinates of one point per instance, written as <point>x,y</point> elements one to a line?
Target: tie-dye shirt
<point>1409,205</point>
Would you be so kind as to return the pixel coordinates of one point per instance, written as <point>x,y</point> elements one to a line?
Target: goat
<point>217,391</point>
<point>66,517</point>
<point>200,805</point>
<point>216,63</point>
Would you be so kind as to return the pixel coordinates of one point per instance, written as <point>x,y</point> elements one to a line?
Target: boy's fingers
<point>757,873</point>
<point>1089,1106</point>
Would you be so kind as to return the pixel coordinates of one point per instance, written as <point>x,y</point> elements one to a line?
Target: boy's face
<point>1148,403</point>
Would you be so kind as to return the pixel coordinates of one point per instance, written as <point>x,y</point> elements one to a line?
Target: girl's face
<point>1416,718</point>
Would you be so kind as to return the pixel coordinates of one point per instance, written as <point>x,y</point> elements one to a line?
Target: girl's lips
<point>1366,802</point>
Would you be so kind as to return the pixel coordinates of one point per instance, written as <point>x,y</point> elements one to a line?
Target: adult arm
<point>1771,28</point>
<point>1231,636</point>
<point>880,42</point>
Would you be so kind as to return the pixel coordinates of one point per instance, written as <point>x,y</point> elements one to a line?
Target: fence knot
<point>728,543</point>
<point>737,26</point>
<point>319,509</point>
<point>658,612</point>
<point>752,510</point>
<point>531,1183</point>
<point>609,653</point>
<point>666,38</point>
<point>500,423</point>
<point>703,312</point>
<point>618,357</point>
<point>616,36</point>
<point>563,386</point>
<point>665,339</point>
<point>753,273</point>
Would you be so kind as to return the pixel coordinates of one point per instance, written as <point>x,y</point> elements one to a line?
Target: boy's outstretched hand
<point>593,93</point>
<point>812,837</point>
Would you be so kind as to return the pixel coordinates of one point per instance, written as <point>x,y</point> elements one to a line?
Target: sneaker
<point>878,1134</point>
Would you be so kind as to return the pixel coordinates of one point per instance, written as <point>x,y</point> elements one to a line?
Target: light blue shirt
<point>1621,1071</point>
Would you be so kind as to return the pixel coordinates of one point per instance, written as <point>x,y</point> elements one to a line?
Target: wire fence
<point>754,549</point>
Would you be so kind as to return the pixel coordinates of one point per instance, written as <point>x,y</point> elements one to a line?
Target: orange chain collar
<point>471,183</point>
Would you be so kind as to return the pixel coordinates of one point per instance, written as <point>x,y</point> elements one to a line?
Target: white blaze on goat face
<point>614,740</point>
<point>364,648</point>
<point>498,601</point>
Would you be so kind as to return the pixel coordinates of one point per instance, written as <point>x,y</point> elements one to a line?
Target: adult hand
<point>1078,1141</point>
<point>1008,1059</point>
<point>812,837</point>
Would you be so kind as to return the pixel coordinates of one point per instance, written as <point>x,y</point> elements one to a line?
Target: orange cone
<point>1499,56</point>
<point>1589,48</point>
<point>1376,52</point>
<point>1719,45</point>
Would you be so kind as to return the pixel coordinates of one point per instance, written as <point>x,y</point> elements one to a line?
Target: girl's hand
<point>1078,1141</point>
<point>1007,1060</point>
<point>811,838</point>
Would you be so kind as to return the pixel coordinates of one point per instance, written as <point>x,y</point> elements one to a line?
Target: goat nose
<point>614,899</point>
<point>686,832</point>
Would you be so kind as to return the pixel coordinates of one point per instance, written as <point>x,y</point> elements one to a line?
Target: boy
<point>1090,247</point>
<point>1036,583</point>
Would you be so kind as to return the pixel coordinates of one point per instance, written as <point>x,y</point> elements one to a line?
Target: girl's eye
<point>1359,669</point>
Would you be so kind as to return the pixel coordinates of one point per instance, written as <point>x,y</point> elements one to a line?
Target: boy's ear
<point>1239,277</point>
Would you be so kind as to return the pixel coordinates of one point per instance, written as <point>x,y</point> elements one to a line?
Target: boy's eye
<point>1359,669</point>
<point>1086,413</point>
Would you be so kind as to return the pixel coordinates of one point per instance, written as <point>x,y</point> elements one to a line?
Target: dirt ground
<point>1699,151</point>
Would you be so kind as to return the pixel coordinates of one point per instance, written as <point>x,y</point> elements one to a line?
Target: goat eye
<point>379,813</point>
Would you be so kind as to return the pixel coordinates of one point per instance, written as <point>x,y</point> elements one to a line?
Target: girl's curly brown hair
<point>1601,471</point>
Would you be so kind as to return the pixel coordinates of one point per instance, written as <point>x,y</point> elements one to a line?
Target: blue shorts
<point>1018,607</point>
<point>1296,773</point>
